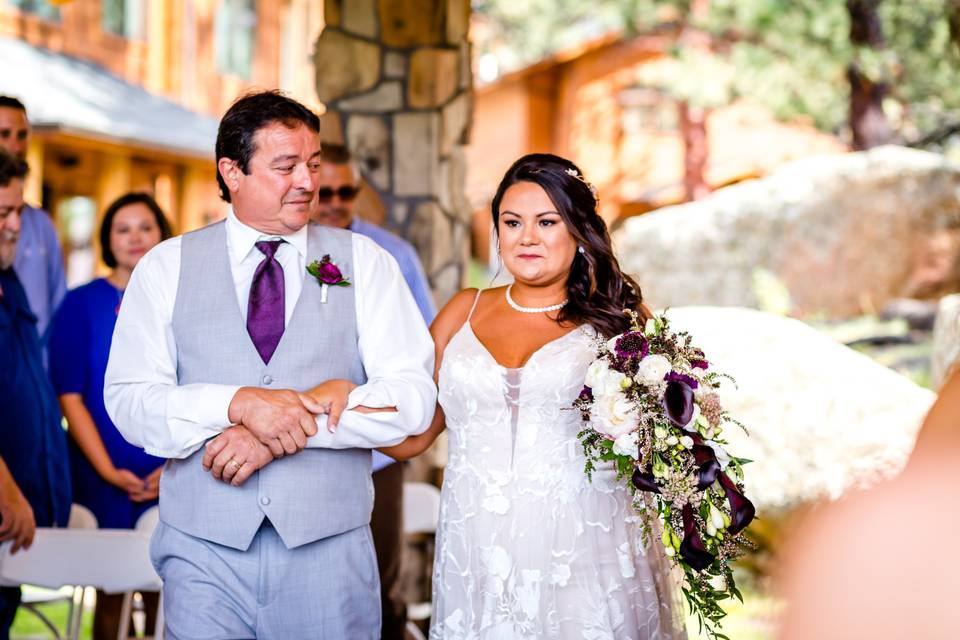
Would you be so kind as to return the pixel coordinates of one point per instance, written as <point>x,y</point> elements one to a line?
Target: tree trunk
<point>693,129</point>
<point>868,122</point>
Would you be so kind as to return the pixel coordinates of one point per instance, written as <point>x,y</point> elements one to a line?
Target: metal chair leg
<point>76,612</point>
<point>43,618</point>
<point>123,631</point>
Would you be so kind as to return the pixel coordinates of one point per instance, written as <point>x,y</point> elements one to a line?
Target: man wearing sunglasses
<point>337,191</point>
<point>336,197</point>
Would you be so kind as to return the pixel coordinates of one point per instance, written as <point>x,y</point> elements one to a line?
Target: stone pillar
<point>395,77</point>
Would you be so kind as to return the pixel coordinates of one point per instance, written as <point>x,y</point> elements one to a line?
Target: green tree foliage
<point>791,55</point>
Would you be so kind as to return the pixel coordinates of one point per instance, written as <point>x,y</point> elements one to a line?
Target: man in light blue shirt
<point>336,196</point>
<point>39,261</point>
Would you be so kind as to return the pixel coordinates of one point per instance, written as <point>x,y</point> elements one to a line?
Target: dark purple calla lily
<point>709,467</point>
<point>742,510</point>
<point>586,394</point>
<point>692,548</point>
<point>678,402</point>
<point>645,481</point>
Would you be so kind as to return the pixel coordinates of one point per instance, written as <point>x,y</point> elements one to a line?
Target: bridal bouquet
<point>650,406</point>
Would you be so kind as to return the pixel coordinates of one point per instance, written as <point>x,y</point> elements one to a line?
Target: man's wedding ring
<point>235,465</point>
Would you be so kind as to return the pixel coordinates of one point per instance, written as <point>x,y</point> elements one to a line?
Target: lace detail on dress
<point>527,547</point>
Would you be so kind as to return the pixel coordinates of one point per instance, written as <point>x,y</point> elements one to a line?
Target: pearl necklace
<point>552,307</point>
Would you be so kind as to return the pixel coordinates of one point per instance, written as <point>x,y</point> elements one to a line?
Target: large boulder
<point>822,418</point>
<point>840,235</point>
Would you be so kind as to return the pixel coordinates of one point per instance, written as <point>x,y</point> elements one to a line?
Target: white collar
<point>241,238</point>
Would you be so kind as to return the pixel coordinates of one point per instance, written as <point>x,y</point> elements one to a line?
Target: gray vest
<point>308,496</point>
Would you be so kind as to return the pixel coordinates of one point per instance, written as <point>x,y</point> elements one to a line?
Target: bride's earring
<point>499,263</point>
<point>581,250</point>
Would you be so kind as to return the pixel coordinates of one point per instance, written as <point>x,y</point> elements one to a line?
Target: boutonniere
<point>327,274</point>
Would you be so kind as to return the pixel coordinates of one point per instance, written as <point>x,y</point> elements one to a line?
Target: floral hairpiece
<point>576,174</point>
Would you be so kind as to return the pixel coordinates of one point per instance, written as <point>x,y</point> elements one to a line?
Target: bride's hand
<point>332,397</point>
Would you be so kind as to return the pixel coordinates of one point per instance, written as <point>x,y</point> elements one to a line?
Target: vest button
<point>264,500</point>
<point>267,380</point>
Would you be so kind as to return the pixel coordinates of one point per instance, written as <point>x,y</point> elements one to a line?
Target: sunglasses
<point>345,193</point>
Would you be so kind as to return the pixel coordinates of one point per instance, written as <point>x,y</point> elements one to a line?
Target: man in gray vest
<point>267,386</point>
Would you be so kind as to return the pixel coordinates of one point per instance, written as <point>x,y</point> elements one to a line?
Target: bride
<point>527,546</point>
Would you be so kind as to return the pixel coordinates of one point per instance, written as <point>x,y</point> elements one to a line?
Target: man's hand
<point>234,455</point>
<point>331,396</point>
<point>16,518</point>
<point>281,419</point>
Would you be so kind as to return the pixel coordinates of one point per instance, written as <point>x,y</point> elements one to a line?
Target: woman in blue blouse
<point>111,477</point>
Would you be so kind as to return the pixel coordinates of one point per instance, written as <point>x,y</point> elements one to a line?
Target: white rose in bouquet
<point>628,445</point>
<point>651,370</point>
<point>603,380</point>
<point>614,415</point>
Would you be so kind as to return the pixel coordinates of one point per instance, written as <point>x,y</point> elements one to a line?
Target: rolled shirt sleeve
<point>397,354</point>
<point>141,392</point>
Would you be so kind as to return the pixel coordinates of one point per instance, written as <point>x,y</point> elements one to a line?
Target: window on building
<point>648,109</point>
<point>77,219</point>
<point>236,24</point>
<point>42,8</point>
<point>124,17</point>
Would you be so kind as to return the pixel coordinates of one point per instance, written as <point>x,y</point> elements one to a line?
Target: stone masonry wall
<point>395,77</point>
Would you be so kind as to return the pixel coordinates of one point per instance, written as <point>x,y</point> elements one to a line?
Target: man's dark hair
<point>12,103</point>
<point>11,168</point>
<point>124,201</point>
<point>249,114</point>
<point>336,153</point>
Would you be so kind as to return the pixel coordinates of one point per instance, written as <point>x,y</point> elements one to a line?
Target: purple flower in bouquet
<point>673,376</point>
<point>631,344</point>
<point>742,511</point>
<point>692,548</point>
<point>708,466</point>
<point>645,481</point>
<point>678,400</point>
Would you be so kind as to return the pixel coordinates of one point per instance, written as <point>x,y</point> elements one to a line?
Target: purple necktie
<point>266,305</point>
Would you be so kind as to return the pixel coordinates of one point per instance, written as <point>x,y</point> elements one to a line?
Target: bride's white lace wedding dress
<point>528,547</point>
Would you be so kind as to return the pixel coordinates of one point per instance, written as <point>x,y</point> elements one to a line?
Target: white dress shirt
<point>169,420</point>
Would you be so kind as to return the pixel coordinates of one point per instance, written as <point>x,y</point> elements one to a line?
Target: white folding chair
<point>146,523</point>
<point>36,597</point>
<point>112,560</point>
<point>421,514</point>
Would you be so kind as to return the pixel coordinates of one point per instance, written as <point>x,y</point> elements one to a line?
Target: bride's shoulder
<point>453,315</point>
<point>457,309</point>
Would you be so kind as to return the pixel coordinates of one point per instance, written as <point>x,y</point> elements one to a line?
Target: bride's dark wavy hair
<point>598,291</point>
